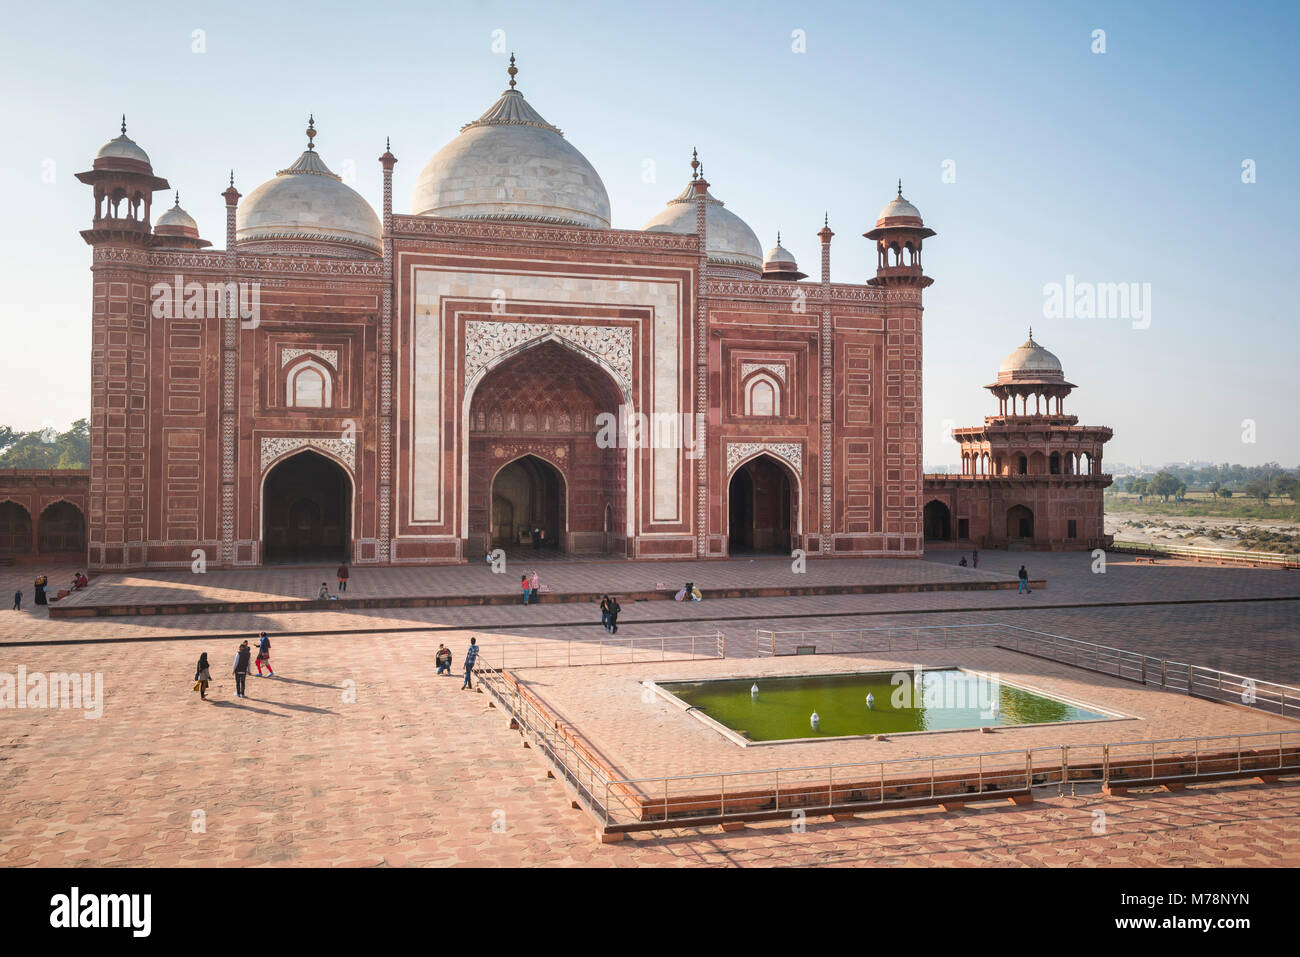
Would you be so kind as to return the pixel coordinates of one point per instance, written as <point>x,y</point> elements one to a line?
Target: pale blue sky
<point>1115,167</point>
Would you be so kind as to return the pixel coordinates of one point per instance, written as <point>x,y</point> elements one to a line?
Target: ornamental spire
<point>124,124</point>
<point>695,164</point>
<point>513,70</point>
<point>311,131</point>
<point>900,187</point>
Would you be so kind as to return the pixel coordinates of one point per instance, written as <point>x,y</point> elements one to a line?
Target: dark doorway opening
<point>938,522</point>
<point>528,506</point>
<point>15,529</point>
<point>760,508</point>
<point>1020,522</point>
<point>306,511</point>
<point>62,529</point>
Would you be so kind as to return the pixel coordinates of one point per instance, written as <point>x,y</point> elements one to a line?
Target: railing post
<point>1162,672</point>
<point>1105,765</point>
<point>1189,679</point>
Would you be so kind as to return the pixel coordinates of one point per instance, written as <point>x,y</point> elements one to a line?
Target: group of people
<point>609,612</point>
<point>243,662</point>
<point>41,588</point>
<point>1022,589</point>
<point>443,661</point>
<point>531,587</point>
<point>343,574</point>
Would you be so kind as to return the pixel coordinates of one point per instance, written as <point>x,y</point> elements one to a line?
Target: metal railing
<point>1197,680</point>
<point>610,651</point>
<point>847,641</point>
<point>694,800</point>
<point>559,745</point>
<point>1235,555</point>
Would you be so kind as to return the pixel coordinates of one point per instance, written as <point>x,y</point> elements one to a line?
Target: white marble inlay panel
<point>330,356</point>
<point>427,418</point>
<point>776,368</point>
<point>792,452</point>
<point>272,447</point>
<point>487,341</point>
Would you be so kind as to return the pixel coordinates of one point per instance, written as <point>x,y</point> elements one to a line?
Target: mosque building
<point>502,366</point>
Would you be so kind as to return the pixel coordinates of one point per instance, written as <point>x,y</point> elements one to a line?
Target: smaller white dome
<point>308,203</point>
<point>779,263</point>
<point>898,208</point>
<point>1031,359</point>
<point>729,239</point>
<point>121,148</point>
<point>176,219</point>
<point>778,255</point>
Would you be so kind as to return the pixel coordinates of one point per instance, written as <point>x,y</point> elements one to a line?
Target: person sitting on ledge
<point>323,593</point>
<point>962,563</point>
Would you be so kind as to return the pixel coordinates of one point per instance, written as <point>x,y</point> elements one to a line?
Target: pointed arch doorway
<point>761,502</point>
<point>529,504</point>
<point>535,458</point>
<point>306,511</point>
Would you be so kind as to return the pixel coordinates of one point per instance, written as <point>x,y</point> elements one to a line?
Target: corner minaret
<point>898,234</point>
<point>122,329</point>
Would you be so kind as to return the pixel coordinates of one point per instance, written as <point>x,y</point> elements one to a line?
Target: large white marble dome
<point>307,203</point>
<point>511,164</point>
<point>728,238</point>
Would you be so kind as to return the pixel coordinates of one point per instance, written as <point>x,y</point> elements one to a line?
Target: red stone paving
<point>412,771</point>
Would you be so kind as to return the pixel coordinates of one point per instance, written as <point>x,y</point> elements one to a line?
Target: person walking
<point>975,558</point>
<point>241,669</point>
<point>443,660</point>
<point>264,654</point>
<point>202,677</point>
<point>343,577</point>
<point>18,600</point>
<point>471,656</point>
<point>1024,581</point>
<point>526,587</point>
<point>535,586</point>
<point>604,612</point>
<point>614,609</point>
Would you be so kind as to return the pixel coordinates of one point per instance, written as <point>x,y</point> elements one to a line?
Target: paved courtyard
<point>357,755</point>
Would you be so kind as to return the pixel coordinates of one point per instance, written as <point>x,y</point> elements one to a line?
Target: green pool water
<point>941,700</point>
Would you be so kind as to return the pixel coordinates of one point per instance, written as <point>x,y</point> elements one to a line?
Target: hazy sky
<point>1117,167</point>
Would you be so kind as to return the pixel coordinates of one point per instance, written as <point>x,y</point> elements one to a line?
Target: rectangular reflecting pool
<point>947,699</point>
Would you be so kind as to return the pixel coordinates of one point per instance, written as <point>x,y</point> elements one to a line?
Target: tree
<point>1214,489</point>
<point>1164,484</point>
<point>1284,485</point>
<point>46,448</point>
<point>1260,489</point>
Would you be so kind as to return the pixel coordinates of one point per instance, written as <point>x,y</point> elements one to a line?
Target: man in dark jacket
<point>241,669</point>
<point>1024,581</point>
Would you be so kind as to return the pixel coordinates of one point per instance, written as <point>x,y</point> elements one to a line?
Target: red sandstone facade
<point>403,382</point>
<point>42,514</point>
